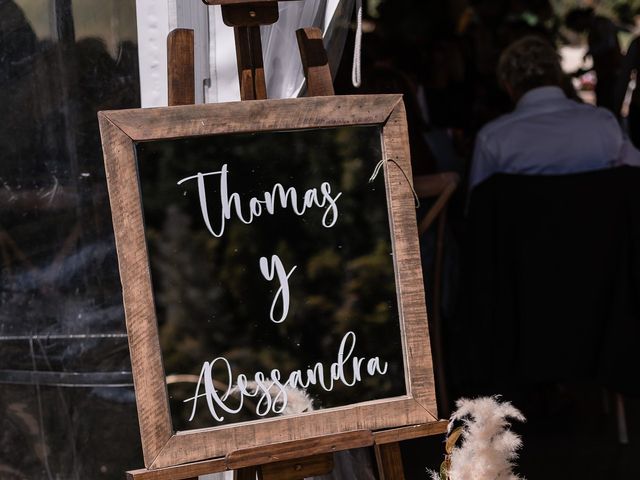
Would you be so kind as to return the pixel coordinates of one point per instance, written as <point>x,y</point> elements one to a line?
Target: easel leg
<point>180,71</point>
<point>248,473</point>
<point>296,469</point>
<point>389,460</point>
<point>257,63</point>
<point>250,63</point>
<point>245,68</point>
<point>315,62</point>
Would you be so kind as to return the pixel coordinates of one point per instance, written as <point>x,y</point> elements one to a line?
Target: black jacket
<point>553,280</point>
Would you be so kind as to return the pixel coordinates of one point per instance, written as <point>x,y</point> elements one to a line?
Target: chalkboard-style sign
<point>271,275</point>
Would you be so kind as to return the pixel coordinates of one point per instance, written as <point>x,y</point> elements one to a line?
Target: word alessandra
<point>270,392</point>
<point>231,203</point>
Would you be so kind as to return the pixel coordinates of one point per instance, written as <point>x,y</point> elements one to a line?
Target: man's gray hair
<point>529,63</point>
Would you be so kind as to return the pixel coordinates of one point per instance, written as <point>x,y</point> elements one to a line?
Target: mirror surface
<point>272,272</point>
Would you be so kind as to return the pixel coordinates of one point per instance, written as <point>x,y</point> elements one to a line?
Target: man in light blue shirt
<point>547,133</point>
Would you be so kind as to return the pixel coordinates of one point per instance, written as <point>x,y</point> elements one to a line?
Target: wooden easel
<point>311,457</point>
<point>299,460</point>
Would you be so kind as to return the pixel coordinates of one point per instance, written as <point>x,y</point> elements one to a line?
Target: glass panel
<point>67,408</point>
<point>277,282</point>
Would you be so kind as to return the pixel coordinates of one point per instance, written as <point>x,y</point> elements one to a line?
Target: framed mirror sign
<point>271,275</point>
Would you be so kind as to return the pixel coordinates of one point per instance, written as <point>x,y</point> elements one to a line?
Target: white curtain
<point>283,70</point>
<point>217,75</point>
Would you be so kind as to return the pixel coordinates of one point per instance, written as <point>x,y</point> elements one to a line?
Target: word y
<point>283,278</point>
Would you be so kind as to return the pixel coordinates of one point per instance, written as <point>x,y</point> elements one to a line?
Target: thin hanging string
<point>356,72</point>
<point>379,166</point>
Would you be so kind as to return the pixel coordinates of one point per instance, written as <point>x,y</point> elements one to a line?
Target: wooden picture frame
<point>121,130</point>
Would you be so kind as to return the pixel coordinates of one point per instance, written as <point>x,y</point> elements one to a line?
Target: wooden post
<point>246,17</point>
<point>180,67</point>
<point>298,469</point>
<point>190,471</point>
<point>387,446</point>
<point>181,88</point>
<point>389,460</point>
<point>315,62</point>
<point>247,473</point>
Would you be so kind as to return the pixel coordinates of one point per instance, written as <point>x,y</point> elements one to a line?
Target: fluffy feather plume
<point>298,400</point>
<point>480,445</point>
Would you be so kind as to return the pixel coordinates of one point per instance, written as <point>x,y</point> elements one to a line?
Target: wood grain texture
<point>409,433</point>
<point>120,129</point>
<point>181,472</point>
<point>280,452</point>
<point>247,473</point>
<point>246,19</point>
<point>259,80</point>
<point>250,14</point>
<point>243,60</point>
<point>298,469</point>
<point>315,62</point>
<point>142,328</point>
<point>389,461</point>
<point>250,64</point>
<point>209,443</point>
<point>180,67</point>
<point>409,279</point>
<point>264,115</point>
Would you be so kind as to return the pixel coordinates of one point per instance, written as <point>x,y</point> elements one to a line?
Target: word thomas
<point>271,393</point>
<point>288,198</point>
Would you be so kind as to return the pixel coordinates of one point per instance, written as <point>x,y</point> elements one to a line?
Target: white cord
<point>356,73</point>
<point>379,166</point>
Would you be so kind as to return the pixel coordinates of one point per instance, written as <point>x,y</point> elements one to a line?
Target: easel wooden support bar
<point>250,67</point>
<point>301,457</point>
<point>286,451</point>
<point>246,17</point>
<point>297,460</point>
<point>387,446</point>
<point>389,461</point>
<point>315,62</point>
<point>298,469</point>
<point>190,471</point>
<point>180,67</point>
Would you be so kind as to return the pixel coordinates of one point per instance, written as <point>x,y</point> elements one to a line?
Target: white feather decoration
<point>486,448</point>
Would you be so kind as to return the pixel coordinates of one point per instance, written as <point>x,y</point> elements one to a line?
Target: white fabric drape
<point>283,69</point>
<point>217,79</point>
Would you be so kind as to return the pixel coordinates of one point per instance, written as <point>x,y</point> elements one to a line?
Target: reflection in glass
<point>66,397</point>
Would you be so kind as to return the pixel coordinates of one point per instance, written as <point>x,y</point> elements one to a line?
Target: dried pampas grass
<point>480,444</point>
<point>296,401</point>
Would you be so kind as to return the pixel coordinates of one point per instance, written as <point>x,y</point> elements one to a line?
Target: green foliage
<point>211,298</point>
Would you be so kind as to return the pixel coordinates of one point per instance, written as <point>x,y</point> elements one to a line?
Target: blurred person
<point>604,49</point>
<point>547,133</point>
<point>630,65</point>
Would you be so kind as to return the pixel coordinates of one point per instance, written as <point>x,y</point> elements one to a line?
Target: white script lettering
<point>288,198</point>
<point>283,278</point>
<point>271,393</point>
